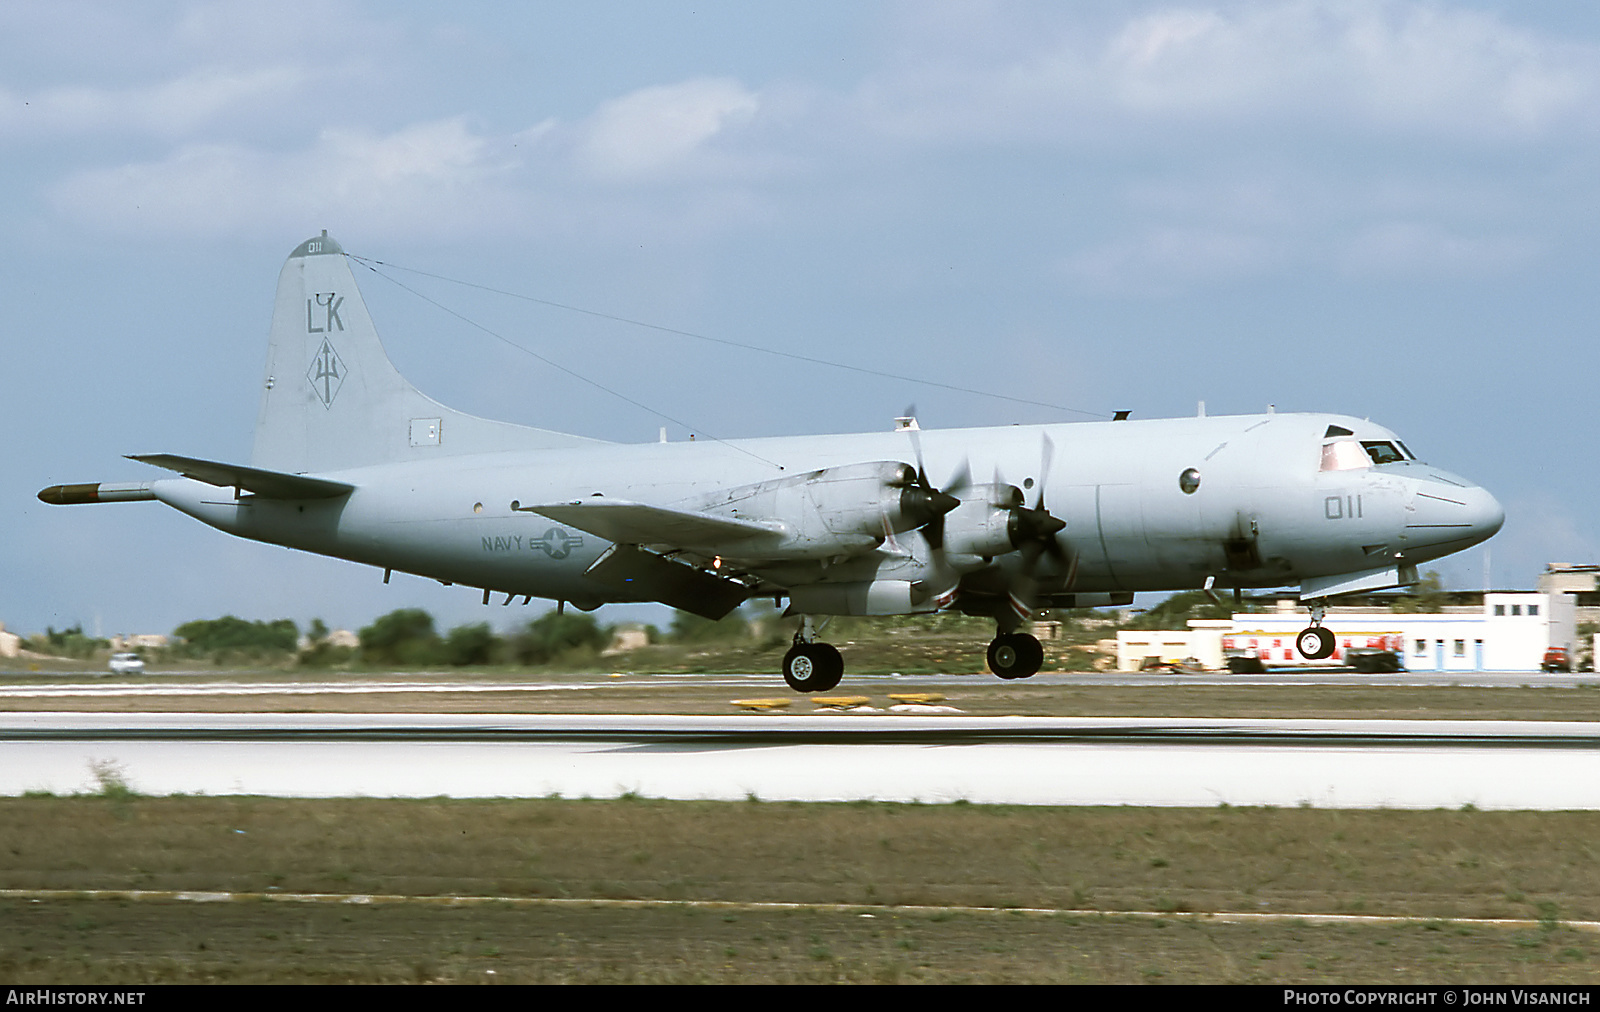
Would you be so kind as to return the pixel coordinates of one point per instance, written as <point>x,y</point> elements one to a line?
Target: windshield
<point>1344,455</point>
<point>1349,454</point>
<point>1382,452</point>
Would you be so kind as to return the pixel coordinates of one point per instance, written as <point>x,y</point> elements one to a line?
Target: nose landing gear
<point>1314,642</point>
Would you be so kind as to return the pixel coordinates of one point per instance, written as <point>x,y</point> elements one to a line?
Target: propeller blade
<point>960,481</point>
<point>1047,456</point>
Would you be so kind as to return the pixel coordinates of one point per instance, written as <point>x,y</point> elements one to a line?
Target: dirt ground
<point>1437,871</point>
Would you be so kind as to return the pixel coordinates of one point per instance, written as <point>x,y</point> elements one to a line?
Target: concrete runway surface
<point>932,759</point>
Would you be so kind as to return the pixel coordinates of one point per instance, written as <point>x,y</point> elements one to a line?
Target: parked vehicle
<point>1372,662</point>
<point>1556,659</point>
<point>127,664</point>
<point>1368,652</point>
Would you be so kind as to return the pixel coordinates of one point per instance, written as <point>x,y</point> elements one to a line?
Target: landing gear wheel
<point>812,667</point>
<point>1015,655</point>
<point>1314,643</point>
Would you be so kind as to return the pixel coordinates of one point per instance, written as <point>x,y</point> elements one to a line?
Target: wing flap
<point>672,583</point>
<point>267,484</point>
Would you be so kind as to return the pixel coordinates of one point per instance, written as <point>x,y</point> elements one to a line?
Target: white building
<point>1200,644</point>
<point>140,641</point>
<point>1509,632</point>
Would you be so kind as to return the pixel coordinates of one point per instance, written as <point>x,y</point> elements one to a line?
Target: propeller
<point>1034,530</point>
<point>946,581</point>
<point>959,482</point>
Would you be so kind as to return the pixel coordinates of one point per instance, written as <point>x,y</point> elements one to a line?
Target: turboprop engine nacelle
<point>834,511</point>
<point>867,597</point>
<point>986,522</point>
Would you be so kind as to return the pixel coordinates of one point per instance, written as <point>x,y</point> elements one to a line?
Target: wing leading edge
<point>632,523</point>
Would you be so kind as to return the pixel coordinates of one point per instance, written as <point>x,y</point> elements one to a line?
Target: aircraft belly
<point>508,558</point>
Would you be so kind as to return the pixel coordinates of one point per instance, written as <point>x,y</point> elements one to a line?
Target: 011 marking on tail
<point>352,461</point>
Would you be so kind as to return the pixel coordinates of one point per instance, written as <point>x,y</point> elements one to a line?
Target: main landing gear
<point>810,666</point>
<point>1314,642</point>
<point>1015,655</point>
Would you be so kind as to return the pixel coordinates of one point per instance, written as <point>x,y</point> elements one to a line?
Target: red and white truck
<point>1254,651</point>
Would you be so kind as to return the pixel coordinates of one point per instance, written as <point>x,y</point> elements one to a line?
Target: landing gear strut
<point>1314,642</point>
<point>1015,655</point>
<point>810,666</point>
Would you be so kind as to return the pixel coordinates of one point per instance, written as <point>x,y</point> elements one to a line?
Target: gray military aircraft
<point>352,461</point>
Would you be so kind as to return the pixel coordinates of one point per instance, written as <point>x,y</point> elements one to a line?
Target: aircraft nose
<point>1448,511</point>
<point>1488,516</point>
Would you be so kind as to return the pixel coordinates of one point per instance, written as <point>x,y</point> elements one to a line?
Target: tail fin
<point>332,398</point>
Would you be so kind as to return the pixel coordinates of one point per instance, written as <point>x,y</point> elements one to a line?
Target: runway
<point>905,758</point>
<point>205,682</point>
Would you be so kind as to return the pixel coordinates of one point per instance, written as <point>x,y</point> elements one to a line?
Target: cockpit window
<point>1350,454</point>
<point>1344,455</point>
<point>1382,451</point>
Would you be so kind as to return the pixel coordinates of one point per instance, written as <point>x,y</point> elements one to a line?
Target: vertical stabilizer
<point>333,400</point>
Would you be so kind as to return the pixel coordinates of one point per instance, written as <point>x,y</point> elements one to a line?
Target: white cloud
<point>1424,248</point>
<point>428,175</point>
<point>659,129</point>
<point>1365,66</point>
<point>172,108</point>
<point>1164,260</point>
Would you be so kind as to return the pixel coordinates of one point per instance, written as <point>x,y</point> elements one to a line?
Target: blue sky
<point>1383,208</point>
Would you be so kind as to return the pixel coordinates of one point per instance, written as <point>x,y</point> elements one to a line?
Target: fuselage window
<point>1382,452</point>
<point>1344,455</point>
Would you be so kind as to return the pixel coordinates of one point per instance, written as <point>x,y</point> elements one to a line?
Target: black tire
<point>827,657</point>
<point>1315,643</point>
<point>1015,655</point>
<point>812,667</point>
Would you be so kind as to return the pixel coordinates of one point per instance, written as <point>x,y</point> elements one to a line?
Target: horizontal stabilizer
<point>631,523</point>
<point>267,484</point>
<point>655,578</point>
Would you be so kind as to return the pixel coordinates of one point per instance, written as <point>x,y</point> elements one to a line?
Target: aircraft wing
<point>631,523</point>
<point>267,484</point>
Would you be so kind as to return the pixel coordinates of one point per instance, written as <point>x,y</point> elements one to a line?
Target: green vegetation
<point>67,643</point>
<point>1176,611</point>
<point>234,638</point>
<point>1427,596</point>
<point>554,635</point>
<point>404,637</point>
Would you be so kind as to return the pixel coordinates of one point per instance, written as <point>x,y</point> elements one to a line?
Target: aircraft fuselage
<point>1262,513</point>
